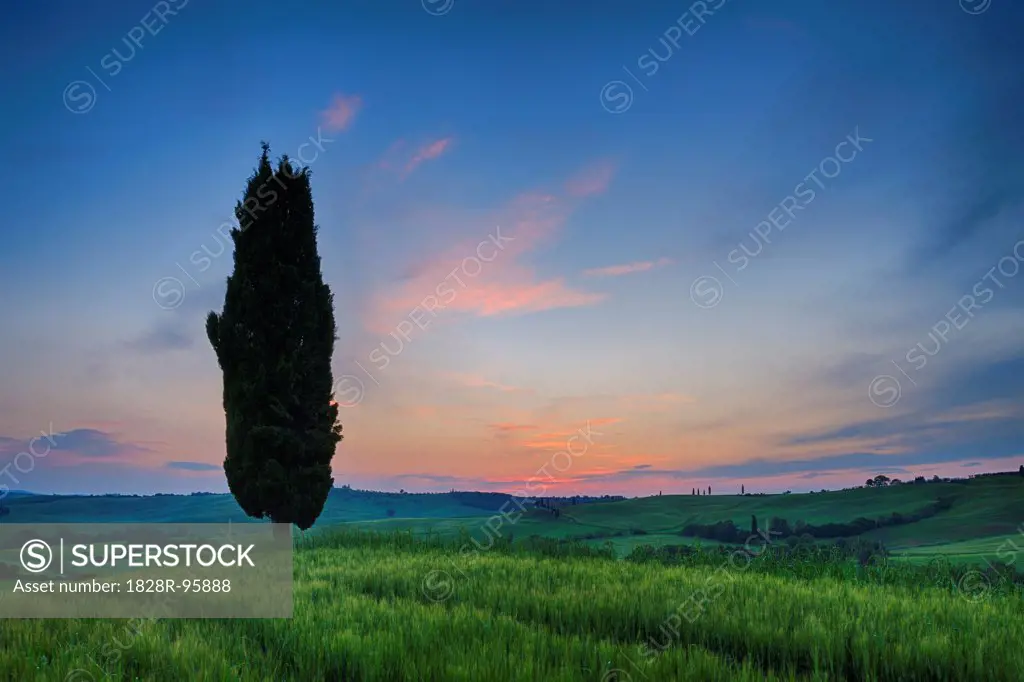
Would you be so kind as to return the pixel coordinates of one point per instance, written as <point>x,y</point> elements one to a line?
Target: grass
<point>392,607</point>
<point>446,601</point>
<point>984,507</point>
<point>624,544</point>
<point>977,550</point>
<point>985,512</point>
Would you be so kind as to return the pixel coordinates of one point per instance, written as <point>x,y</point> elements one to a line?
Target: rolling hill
<point>982,512</point>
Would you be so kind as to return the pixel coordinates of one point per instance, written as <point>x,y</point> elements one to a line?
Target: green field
<point>985,512</point>
<point>584,595</point>
<point>394,608</point>
<point>979,550</point>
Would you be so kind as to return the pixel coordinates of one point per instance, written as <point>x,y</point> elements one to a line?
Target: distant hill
<point>975,518</point>
<point>343,505</point>
<point>975,515</point>
<point>982,506</point>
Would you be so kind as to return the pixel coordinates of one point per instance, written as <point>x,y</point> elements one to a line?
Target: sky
<point>583,248</point>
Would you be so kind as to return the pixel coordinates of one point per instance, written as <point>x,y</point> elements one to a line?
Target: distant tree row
<point>727,531</point>
<point>881,481</point>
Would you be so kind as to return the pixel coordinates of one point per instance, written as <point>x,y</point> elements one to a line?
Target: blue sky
<point>621,158</point>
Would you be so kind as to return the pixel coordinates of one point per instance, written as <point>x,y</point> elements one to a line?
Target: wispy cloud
<point>477,381</point>
<point>165,336</point>
<point>591,181</point>
<point>627,268</point>
<point>342,112</point>
<point>867,462</point>
<point>506,427</point>
<point>86,443</point>
<point>458,279</point>
<point>550,436</point>
<point>605,420</point>
<point>983,155</point>
<point>402,158</point>
<point>431,150</point>
<point>192,466</point>
<point>422,411</point>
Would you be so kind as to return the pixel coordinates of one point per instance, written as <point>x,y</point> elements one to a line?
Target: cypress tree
<point>274,341</point>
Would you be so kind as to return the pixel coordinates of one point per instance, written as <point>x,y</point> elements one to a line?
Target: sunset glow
<point>730,277</point>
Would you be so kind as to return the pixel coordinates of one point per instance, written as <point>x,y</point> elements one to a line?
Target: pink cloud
<point>506,297</point>
<point>505,427</point>
<point>605,420</point>
<point>548,435</point>
<point>421,411</point>
<point>476,381</point>
<point>627,268</point>
<point>387,162</point>
<point>399,158</point>
<point>591,181</point>
<point>342,112</point>
<point>458,278</point>
<point>544,444</point>
<point>431,150</point>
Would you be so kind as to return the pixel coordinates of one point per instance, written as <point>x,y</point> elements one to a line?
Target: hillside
<point>343,505</point>
<point>981,507</point>
<point>983,512</point>
<point>989,507</point>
